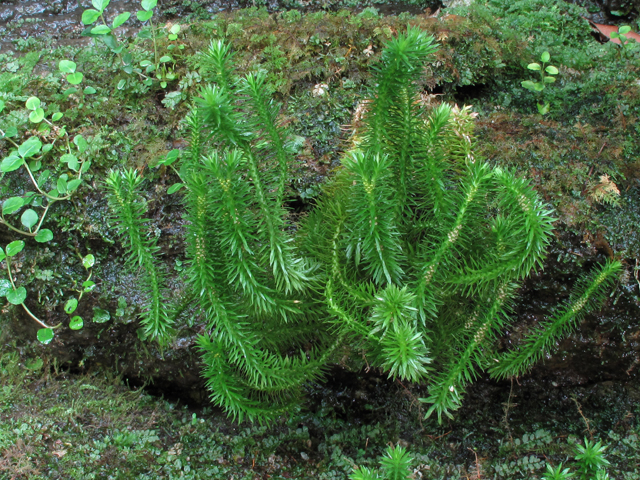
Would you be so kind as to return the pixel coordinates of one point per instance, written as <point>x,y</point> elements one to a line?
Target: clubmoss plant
<point>413,254</point>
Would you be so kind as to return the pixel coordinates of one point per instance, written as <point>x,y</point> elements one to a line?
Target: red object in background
<point>604,33</point>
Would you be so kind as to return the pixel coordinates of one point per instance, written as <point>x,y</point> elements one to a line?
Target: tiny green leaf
<point>100,5</point>
<point>175,29</point>
<point>148,4</point>
<point>624,29</point>
<point>529,85</point>
<point>551,70</point>
<point>1,105</point>
<point>163,84</point>
<point>44,176</point>
<point>76,323</point>
<point>89,16</point>
<point>56,116</point>
<point>71,160</point>
<point>36,116</point>
<point>545,57</point>
<point>143,16</point>
<point>165,59</point>
<point>32,103</point>
<point>89,90</point>
<point>74,78</point>
<point>45,335</point>
<point>17,296</point>
<point>88,286</point>
<point>73,185</point>
<point>120,19</point>
<point>88,261</point>
<point>71,306</point>
<point>35,364</point>
<point>62,185</point>
<point>30,147</point>
<point>11,163</point>
<point>81,143</point>
<point>174,188</point>
<point>100,315</point>
<point>100,30</point>
<point>121,84</point>
<point>549,79</point>
<point>10,132</point>
<point>47,147</point>
<point>12,205</point>
<point>67,66</point>
<point>44,235</point>
<point>5,285</point>
<point>539,87</point>
<point>14,248</point>
<point>29,218</point>
<point>543,109</point>
<point>534,66</point>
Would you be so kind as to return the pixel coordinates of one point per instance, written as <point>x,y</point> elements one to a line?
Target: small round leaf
<point>545,57</point>
<point>175,29</point>
<point>76,323</point>
<point>5,286</point>
<point>74,78</point>
<point>100,315</point>
<point>88,261</point>
<point>551,70</point>
<point>36,116</point>
<point>165,59</point>
<point>148,4</point>
<point>89,90</point>
<point>624,29</point>
<point>67,66</point>
<point>534,66</point>
<point>88,286</point>
<point>44,235</point>
<point>29,218</point>
<point>71,306</point>
<point>45,335</point>
<point>17,296</point>
<point>14,248</point>
<point>32,103</point>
